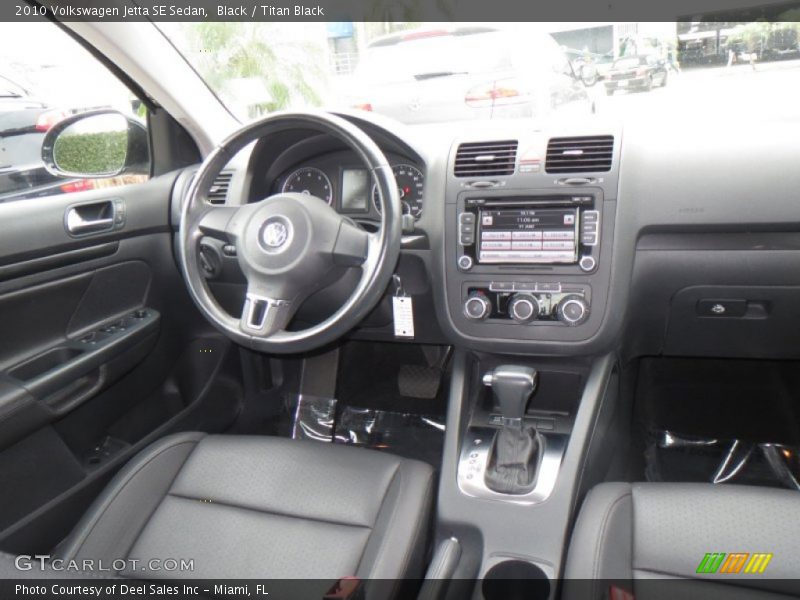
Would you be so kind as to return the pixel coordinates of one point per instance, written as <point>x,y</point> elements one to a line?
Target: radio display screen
<point>527,236</point>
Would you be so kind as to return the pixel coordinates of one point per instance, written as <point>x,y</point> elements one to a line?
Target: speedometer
<point>410,182</point>
<point>311,181</point>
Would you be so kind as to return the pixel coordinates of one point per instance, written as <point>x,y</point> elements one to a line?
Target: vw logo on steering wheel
<point>275,234</point>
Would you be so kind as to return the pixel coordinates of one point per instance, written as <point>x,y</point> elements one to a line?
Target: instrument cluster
<point>339,181</point>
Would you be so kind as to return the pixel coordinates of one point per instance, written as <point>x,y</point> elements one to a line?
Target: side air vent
<point>486,159</point>
<point>579,154</point>
<point>219,189</point>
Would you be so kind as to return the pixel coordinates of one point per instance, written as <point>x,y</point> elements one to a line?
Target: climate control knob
<point>477,306</point>
<point>572,310</point>
<point>523,308</point>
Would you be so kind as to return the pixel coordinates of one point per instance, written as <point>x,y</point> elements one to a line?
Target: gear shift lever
<point>513,386</point>
<point>515,449</point>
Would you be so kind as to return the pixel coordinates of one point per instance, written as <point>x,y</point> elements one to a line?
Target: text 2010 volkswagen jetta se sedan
<point>290,347</point>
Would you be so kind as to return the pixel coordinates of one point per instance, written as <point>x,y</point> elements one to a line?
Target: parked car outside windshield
<point>636,73</point>
<point>436,75</point>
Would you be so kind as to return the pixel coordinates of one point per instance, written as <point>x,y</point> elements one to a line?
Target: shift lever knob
<point>513,386</point>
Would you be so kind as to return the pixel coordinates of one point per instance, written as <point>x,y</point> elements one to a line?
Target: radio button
<point>566,234</point>
<point>496,235</point>
<point>587,263</point>
<point>549,245</point>
<point>590,216</point>
<point>492,245</point>
<point>477,307</point>
<point>501,286</point>
<point>465,262</point>
<point>589,239</point>
<point>523,308</point>
<point>467,218</point>
<point>526,245</point>
<point>572,310</point>
<point>526,235</point>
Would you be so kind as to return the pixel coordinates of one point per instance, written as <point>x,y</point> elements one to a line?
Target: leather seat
<point>261,508</point>
<point>632,534</point>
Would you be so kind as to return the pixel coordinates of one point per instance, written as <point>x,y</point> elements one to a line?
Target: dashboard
<point>529,259</point>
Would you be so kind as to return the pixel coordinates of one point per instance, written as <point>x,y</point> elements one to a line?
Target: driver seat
<point>261,508</point>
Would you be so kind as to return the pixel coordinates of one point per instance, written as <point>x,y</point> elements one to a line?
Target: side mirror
<point>98,143</point>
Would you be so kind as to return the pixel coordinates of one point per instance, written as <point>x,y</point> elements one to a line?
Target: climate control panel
<point>528,303</point>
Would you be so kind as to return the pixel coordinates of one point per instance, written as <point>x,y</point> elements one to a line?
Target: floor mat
<point>402,378</point>
<point>406,434</point>
<point>410,435</point>
<point>678,457</point>
<point>733,421</point>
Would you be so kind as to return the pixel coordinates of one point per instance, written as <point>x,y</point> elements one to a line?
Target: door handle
<point>84,219</point>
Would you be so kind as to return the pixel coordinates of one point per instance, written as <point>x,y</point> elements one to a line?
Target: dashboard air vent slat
<point>580,154</point>
<point>486,159</point>
<point>218,193</point>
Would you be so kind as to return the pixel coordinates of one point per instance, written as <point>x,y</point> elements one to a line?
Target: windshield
<point>436,72</point>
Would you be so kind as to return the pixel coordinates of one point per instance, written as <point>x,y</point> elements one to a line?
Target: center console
<point>526,437</point>
<point>528,242</point>
<point>528,254</point>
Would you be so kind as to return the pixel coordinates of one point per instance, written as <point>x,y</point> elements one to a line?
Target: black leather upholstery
<point>262,507</point>
<point>634,533</point>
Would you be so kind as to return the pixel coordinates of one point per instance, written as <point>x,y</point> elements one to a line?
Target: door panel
<point>40,229</point>
<point>101,352</point>
<point>62,336</point>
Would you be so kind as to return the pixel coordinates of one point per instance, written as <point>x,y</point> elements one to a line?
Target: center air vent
<point>219,189</point>
<point>486,159</point>
<point>580,154</point>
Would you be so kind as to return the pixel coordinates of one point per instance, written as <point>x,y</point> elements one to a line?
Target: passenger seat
<point>630,534</point>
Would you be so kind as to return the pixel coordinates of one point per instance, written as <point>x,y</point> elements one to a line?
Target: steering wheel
<point>290,245</point>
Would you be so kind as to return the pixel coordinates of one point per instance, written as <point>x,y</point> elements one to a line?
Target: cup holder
<point>515,580</point>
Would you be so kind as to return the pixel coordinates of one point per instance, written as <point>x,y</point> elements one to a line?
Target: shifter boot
<point>513,461</point>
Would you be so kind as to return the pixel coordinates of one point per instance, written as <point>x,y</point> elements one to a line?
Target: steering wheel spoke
<point>264,316</point>
<point>352,245</point>
<point>216,221</point>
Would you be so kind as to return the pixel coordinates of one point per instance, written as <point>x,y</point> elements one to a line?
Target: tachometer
<point>311,181</point>
<point>410,182</point>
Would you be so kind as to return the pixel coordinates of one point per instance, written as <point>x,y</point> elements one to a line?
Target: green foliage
<point>290,70</point>
<point>91,153</point>
<point>758,35</point>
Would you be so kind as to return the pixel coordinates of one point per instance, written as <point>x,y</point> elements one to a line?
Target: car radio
<point>524,230</point>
